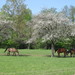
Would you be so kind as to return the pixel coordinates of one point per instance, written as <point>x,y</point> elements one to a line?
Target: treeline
<point>49,29</point>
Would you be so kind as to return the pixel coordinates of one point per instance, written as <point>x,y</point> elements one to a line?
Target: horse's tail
<point>5,50</point>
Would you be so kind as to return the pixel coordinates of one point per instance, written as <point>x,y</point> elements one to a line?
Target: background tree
<point>17,12</point>
<point>52,10</point>
<point>50,26</point>
<point>69,12</point>
<point>72,13</point>
<point>66,11</point>
<point>5,28</point>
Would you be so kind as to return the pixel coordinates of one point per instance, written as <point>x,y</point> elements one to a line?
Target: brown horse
<point>72,52</point>
<point>13,50</point>
<point>61,50</point>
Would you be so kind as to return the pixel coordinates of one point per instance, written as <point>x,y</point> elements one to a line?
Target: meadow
<point>36,62</point>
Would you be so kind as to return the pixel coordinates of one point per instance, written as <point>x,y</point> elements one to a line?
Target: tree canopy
<point>50,26</point>
<point>16,12</point>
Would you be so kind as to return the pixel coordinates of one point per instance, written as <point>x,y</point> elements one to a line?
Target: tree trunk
<point>52,48</point>
<point>28,45</point>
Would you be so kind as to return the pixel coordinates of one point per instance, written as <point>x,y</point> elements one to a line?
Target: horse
<point>13,50</point>
<point>61,50</point>
<point>71,52</point>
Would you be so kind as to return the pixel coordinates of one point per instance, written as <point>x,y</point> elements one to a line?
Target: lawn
<point>36,62</point>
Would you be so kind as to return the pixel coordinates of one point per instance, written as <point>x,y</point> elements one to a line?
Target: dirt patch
<point>26,55</point>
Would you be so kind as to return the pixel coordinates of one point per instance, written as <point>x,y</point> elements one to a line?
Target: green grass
<point>36,62</point>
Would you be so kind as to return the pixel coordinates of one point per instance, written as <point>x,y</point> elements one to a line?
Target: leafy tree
<point>50,26</point>
<point>66,11</point>
<point>53,10</point>
<point>72,13</point>
<point>17,12</point>
<point>69,12</point>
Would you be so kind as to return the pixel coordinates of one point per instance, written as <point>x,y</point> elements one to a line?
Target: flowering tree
<point>50,26</point>
<point>6,28</point>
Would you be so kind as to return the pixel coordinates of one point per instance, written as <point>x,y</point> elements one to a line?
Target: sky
<point>37,5</point>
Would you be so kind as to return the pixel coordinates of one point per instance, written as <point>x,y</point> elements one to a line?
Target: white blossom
<point>50,26</point>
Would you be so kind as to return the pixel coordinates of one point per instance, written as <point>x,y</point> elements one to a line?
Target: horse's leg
<point>58,54</point>
<point>74,53</point>
<point>14,54</point>
<point>8,53</point>
<point>70,54</point>
<point>64,54</point>
<point>18,53</point>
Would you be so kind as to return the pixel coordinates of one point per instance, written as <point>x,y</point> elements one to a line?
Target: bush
<point>9,43</point>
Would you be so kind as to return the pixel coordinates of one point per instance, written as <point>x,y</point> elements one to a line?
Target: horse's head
<point>55,51</point>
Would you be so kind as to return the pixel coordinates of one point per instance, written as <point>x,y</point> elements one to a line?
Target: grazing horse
<point>13,50</point>
<point>61,50</point>
<point>71,51</point>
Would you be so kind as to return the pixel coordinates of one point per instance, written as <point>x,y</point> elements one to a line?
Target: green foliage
<point>17,33</point>
<point>16,12</point>
<point>9,43</point>
<point>72,38</point>
<point>37,44</point>
<point>69,12</point>
<point>65,43</point>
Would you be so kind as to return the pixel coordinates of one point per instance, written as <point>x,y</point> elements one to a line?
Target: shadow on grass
<point>14,55</point>
<point>65,57</point>
<point>26,55</point>
<point>37,55</point>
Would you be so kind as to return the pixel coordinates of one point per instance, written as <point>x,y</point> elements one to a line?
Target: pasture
<point>36,62</point>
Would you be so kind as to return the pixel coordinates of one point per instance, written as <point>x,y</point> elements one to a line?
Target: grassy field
<point>36,62</point>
